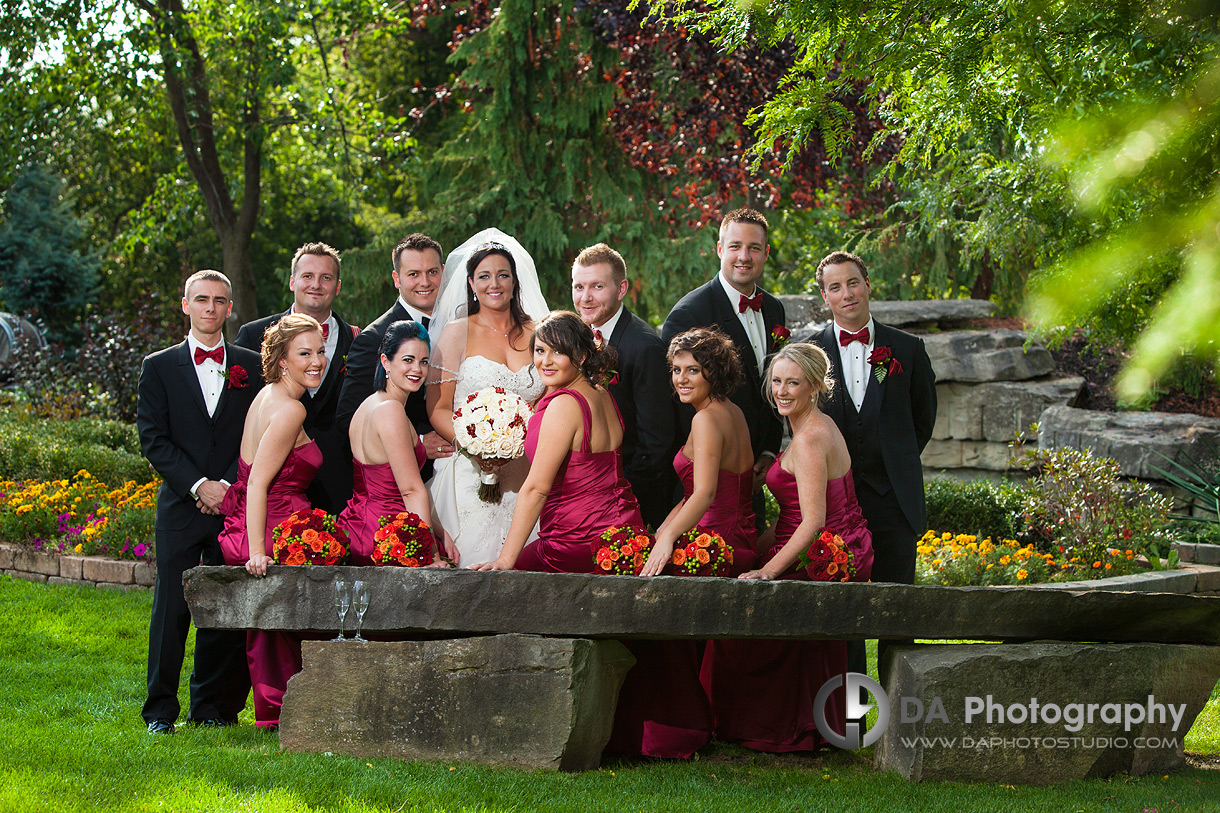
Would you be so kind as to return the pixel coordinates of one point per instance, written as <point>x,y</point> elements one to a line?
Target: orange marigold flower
<point>1108,565</point>
<point>1097,564</point>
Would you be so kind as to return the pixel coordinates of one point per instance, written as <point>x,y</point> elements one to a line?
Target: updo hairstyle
<point>714,352</point>
<point>398,334</point>
<point>565,332</point>
<point>814,364</point>
<point>276,339</point>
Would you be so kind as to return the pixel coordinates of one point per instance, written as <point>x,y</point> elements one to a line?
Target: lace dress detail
<point>479,528</point>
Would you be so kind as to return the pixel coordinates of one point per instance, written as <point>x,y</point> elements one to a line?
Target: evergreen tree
<point>46,271</point>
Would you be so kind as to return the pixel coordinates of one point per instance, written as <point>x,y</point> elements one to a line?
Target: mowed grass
<point>72,666</point>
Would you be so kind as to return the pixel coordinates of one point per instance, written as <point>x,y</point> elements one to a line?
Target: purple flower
<point>140,550</point>
<point>37,543</point>
<point>126,545</point>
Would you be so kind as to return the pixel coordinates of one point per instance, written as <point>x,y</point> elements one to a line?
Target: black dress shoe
<point>213,722</point>
<point>160,727</point>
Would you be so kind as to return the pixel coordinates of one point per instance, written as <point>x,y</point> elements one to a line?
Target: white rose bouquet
<point>490,424</point>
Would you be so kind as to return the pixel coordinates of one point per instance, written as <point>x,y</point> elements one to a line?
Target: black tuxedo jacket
<point>178,437</point>
<point>902,411</point>
<point>362,359</point>
<point>332,487</point>
<point>709,306</point>
<point>643,395</point>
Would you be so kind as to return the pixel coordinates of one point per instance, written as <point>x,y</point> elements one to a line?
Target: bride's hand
<point>497,564</point>
<point>755,574</point>
<point>489,464</point>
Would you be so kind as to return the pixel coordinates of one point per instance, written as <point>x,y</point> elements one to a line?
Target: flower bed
<point>963,560</point>
<point>79,516</point>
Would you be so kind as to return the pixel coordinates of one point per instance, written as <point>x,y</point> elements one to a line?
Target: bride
<point>484,320</point>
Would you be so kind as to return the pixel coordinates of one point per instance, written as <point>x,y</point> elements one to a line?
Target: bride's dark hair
<point>519,316</point>
<point>566,333</point>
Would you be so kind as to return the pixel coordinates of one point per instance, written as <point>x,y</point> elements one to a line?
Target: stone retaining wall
<point>85,571</point>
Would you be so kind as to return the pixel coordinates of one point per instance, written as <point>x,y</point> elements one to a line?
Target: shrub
<point>52,450</point>
<point>1080,506</point>
<point>980,507</point>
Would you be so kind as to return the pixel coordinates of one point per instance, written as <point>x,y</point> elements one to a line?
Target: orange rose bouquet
<point>622,550</point>
<point>308,537</point>
<point>828,559</point>
<point>404,540</point>
<point>700,552</point>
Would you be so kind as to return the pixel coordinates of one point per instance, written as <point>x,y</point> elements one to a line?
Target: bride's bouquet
<point>491,424</point>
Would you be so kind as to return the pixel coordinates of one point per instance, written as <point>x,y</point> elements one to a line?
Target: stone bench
<point>523,668</point>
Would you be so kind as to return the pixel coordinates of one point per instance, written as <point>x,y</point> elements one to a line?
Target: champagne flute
<point>343,600</point>
<point>360,603</point>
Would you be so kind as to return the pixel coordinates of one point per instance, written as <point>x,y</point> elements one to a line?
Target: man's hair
<point>837,257</point>
<point>318,250</point>
<point>602,253</point>
<point>744,216</point>
<point>209,275</point>
<point>416,242</point>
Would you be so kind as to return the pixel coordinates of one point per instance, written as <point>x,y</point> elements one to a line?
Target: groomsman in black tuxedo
<point>191,411</point>
<point>642,389</point>
<point>733,302</point>
<point>314,282</point>
<point>418,274</point>
<point>884,403</point>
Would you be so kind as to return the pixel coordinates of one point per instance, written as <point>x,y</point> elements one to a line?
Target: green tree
<point>47,270</point>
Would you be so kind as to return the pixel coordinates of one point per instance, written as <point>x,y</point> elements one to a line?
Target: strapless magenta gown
<point>731,513</point>
<point>590,493</point>
<point>762,692</point>
<point>273,656</point>
<point>375,495</point>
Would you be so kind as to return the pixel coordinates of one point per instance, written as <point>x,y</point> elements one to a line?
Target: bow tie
<point>216,354</point>
<point>860,336</point>
<point>754,303</point>
<point>325,331</point>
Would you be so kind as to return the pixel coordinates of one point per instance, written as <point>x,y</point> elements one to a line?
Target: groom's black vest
<point>867,465</point>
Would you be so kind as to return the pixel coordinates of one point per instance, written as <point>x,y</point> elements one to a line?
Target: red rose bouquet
<point>828,559</point>
<point>700,552</point>
<point>308,537</point>
<point>404,540</point>
<point>622,551</point>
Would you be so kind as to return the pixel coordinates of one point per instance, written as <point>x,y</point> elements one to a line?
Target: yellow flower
<point>77,548</point>
<point>1004,560</point>
<point>1022,573</point>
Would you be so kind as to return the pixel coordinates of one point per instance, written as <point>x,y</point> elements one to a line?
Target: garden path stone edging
<point>517,700</point>
<point>1040,752</point>
<point>84,571</point>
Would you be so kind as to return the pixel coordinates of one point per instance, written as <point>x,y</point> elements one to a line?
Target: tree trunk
<point>985,280</point>
<point>236,258</point>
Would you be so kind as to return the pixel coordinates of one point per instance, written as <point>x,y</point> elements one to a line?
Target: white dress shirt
<point>211,381</point>
<point>751,320</point>
<point>854,358</point>
<point>606,328</point>
<point>416,313</point>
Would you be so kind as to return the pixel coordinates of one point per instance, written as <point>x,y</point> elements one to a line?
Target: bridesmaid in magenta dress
<point>716,466</point>
<point>386,451</point>
<point>283,462</point>
<point>763,691</point>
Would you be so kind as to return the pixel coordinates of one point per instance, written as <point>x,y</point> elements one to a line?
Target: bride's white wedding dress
<point>479,528</point>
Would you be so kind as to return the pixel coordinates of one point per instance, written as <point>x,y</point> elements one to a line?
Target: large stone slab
<point>519,700</point>
<point>950,453</point>
<point>997,411</point>
<point>1131,438</point>
<point>1051,746</point>
<point>803,309</point>
<point>986,355</point>
<point>442,601</point>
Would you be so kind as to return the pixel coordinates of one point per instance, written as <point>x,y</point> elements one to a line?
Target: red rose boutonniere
<point>237,377</point>
<point>884,363</point>
<point>780,336</point>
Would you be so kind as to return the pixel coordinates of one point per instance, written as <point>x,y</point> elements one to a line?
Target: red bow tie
<point>325,331</point>
<point>217,354</point>
<point>754,303</point>
<point>860,336</point>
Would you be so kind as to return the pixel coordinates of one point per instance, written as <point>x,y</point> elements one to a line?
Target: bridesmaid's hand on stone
<point>497,564</point>
<point>755,574</point>
<point>257,565</point>
<point>661,554</point>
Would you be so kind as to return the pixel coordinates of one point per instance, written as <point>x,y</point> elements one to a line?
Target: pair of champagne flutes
<point>356,597</point>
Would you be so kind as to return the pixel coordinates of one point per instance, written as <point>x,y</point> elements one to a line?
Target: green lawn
<point>71,738</point>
